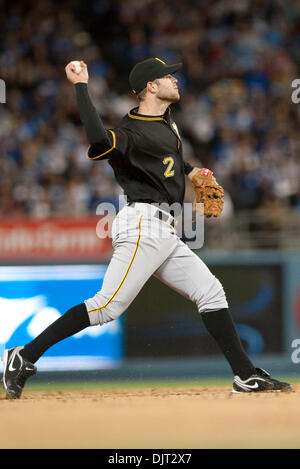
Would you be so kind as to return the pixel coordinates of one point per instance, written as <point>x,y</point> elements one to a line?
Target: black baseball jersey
<point>146,155</point>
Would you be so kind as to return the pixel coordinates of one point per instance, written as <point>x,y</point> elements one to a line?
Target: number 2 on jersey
<point>169,172</point>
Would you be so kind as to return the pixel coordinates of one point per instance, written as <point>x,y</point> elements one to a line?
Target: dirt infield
<point>194,417</point>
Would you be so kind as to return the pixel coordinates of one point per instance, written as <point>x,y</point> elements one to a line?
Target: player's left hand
<point>209,194</point>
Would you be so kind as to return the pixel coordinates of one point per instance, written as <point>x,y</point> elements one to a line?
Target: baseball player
<point>145,152</point>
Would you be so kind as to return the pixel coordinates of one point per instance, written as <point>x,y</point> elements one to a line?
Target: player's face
<point>168,89</point>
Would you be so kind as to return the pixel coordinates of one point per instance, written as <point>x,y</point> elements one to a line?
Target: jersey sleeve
<point>118,143</point>
<point>187,168</point>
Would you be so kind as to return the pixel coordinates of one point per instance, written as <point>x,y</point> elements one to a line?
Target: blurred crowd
<point>236,114</point>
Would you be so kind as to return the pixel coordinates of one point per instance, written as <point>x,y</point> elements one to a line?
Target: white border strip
<point>72,363</point>
<point>61,272</point>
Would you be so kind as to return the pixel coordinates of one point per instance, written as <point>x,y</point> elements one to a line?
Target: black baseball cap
<point>149,70</point>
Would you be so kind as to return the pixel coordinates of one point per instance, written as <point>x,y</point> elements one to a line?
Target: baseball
<point>77,66</point>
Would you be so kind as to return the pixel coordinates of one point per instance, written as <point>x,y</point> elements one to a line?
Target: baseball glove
<point>209,193</point>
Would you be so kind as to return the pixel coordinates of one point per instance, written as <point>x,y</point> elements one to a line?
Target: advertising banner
<point>33,297</point>
<point>54,238</point>
<point>162,323</point>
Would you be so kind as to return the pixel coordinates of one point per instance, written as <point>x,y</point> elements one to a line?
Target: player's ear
<point>152,86</point>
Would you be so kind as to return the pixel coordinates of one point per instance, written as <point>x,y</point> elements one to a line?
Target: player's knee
<point>219,300</point>
<point>102,310</point>
<point>213,298</point>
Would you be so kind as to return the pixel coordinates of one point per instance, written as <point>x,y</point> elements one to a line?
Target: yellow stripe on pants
<point>126,273</point>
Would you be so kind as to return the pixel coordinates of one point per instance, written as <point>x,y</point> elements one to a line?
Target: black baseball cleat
<point>261,381</point>
<point>16,370</point>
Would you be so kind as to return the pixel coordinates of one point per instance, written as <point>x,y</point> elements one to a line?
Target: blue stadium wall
<point>161,335</point>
